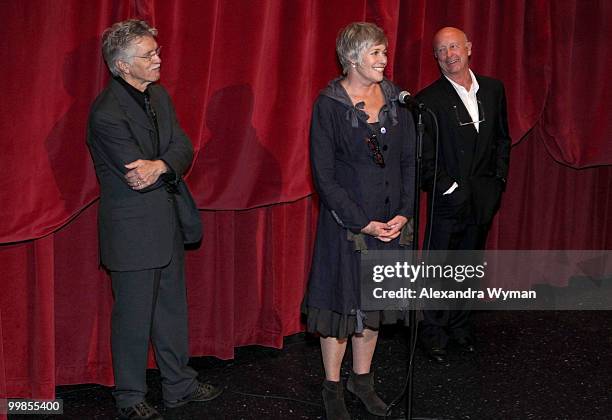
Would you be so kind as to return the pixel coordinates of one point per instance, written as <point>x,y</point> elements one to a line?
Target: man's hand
<point>144,173</point>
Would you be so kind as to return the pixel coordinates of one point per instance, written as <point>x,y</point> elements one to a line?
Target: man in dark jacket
<point>464,174</point>
<point>140,152</point>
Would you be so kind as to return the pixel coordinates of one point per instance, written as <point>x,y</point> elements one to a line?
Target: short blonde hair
<point>356,38</point>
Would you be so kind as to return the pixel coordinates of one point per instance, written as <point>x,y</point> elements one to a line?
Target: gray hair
<point>356,38</point>
<point>117,39</point>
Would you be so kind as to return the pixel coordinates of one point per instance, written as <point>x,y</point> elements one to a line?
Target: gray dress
<point>354,189</point>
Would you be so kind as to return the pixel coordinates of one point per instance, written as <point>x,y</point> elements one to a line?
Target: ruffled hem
<point>328,323</point>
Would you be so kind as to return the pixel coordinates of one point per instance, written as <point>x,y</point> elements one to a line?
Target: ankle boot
<point>333,398</point>
<point>363,387</point>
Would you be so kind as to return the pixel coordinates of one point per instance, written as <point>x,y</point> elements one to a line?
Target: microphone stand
<point>412,319</point>
<point>412,322</point>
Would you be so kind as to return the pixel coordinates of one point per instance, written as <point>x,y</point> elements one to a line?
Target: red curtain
<point>244,76</point>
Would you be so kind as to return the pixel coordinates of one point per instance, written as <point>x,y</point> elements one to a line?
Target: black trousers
<point>151,305</point>
<point>438,326</point>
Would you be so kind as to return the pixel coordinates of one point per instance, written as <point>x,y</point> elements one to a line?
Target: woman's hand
<point>394,228</point>
<point>375,228</point>
<point>385,232</point>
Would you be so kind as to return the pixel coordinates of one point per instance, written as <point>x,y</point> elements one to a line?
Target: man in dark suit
<point>140,152</point>
<point>464,174</point>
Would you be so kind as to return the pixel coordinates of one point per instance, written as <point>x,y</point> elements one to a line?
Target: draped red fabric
<point>244,76</point>
<point>510,41</point>
<point>47,49</point>
<point>552,206</point>
<point>2,370</point>
<point>576,120</point>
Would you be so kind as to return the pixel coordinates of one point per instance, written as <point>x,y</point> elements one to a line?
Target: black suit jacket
<point>136,228</point>
<point>477,161</point>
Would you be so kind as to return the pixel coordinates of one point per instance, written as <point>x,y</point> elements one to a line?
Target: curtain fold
<point>3,392</point>
<point>243,89</point>
<point>576,121</point>
<point>243,76</point>
<point>28,311</point>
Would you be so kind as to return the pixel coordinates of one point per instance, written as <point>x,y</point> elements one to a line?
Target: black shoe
<point>465,344</point>
<point>140,411</point>
<point>333,399</point>
<point>203,392</point>
<point>362,386</point>
<point>437,354</point>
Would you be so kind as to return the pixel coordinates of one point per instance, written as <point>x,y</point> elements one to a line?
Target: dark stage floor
<point>529,365</point>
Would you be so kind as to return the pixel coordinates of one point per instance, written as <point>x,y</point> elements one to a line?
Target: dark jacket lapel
<point>455,103</point>
<point>129,105</point>
<point>462,135</point>
<point>142,129</point>
<point>163,117</point>
<point>488,105</point>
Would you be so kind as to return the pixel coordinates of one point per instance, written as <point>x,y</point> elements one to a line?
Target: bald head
<point>449,31</point>
<point>452,50</point>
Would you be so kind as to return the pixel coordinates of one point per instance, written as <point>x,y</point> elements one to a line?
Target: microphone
<point>406,98</point>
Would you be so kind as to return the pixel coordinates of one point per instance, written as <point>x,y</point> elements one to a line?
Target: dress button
<point>385,147</point>
<point>387,183</point>
<point>387,200</point>
<point>383,130</point>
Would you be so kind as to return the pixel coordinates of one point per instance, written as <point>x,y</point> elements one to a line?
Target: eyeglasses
<point>480,112</point>
<point>375,149</point>
<point>150,56</point>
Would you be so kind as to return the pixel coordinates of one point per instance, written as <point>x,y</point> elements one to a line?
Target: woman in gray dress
<point>362,156</point>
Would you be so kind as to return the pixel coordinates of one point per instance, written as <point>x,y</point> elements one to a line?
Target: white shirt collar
<point>469,98</point>
<point>459,88</point>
